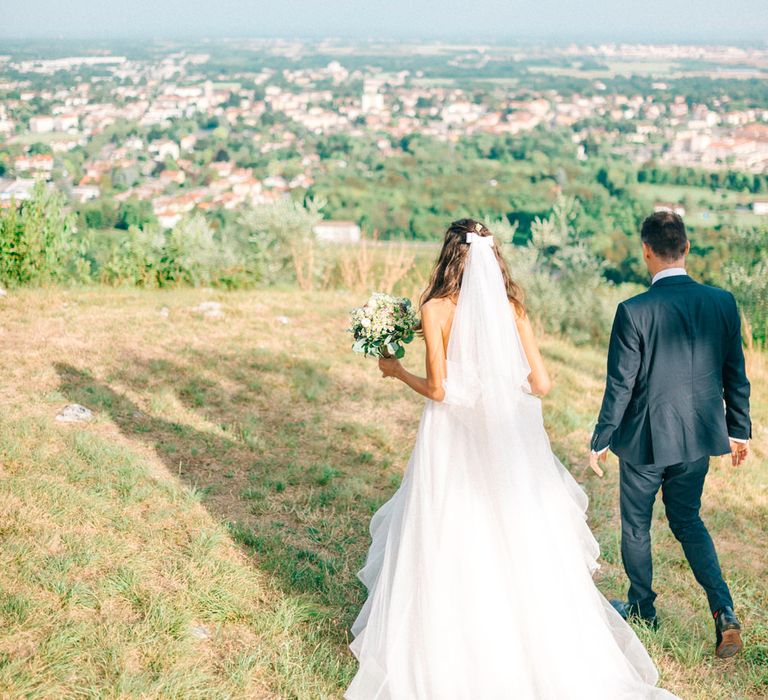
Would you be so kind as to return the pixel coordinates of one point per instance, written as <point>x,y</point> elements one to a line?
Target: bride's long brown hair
<point>449,270</point>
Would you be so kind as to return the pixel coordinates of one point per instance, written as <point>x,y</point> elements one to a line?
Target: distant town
<point>148,128</point>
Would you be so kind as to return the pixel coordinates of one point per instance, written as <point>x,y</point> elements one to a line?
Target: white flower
<point>383,317</point>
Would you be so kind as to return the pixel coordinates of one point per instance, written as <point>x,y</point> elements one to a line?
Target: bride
<point>479,574</point>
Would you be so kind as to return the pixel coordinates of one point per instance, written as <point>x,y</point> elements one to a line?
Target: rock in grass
<point>3,292</point>
<point>74,413</point>
<point>199,632</point>
<point>209,309</point>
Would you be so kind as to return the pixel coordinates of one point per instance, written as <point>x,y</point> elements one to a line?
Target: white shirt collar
<point>669,272</point>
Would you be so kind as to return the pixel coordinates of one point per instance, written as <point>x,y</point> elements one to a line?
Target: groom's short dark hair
<point>664,232</point>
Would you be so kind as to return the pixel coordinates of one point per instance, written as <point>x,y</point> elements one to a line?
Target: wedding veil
<point>484,350</point>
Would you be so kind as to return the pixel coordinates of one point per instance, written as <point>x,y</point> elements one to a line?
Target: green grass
<point>226,485</point>
<point>700,196</point>
<point>650,68</point>
<point>705,208</point>
<point>614,68</point>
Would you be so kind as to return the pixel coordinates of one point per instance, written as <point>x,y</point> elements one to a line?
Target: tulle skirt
<point>479,574</point>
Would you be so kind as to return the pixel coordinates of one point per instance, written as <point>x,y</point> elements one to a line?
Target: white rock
<point>283,319</point>
<point>209,309</point>
<point>74,413</point>
<point>199,632</point>
<point>165,312</point>
<point>3,293</point>
<point>204,306</point>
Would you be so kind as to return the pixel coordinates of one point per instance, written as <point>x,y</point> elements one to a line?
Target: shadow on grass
<point>294,485</point>
<point>260,437</point>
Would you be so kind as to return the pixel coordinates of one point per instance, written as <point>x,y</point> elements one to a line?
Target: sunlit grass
<point>226,484</point>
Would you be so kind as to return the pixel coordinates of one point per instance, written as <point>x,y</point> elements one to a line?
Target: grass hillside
<point>200,537</point>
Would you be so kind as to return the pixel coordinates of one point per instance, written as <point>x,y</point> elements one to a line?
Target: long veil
<point>484,346</point>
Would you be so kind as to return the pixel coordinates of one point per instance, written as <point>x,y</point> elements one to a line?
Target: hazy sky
<point>470,20</point>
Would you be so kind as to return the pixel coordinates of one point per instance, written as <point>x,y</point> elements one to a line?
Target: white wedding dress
<point>480,569</point>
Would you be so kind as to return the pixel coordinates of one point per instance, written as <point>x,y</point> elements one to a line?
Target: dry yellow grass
<point>227,481</point>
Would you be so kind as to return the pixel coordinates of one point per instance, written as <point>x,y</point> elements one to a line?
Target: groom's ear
<point>687,248</point>
<point>646,251</point>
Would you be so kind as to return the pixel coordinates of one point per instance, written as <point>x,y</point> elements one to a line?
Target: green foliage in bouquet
<point>383,326</point>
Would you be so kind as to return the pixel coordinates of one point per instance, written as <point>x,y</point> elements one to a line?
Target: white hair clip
<point>473,237</point>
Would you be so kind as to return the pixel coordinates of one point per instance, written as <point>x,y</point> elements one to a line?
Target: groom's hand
<point>594,461</point>
<point>739,452</point>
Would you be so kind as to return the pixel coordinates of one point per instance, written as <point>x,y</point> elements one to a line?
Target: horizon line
<point>555,38</point>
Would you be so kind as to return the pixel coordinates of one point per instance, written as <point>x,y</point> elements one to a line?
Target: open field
<point>717,198</point>
<point>614,68</point>
<point>200,537</point>
<point>660,69</point>
<point>705,207</point>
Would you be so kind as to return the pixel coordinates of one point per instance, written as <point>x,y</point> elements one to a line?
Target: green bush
<point>134,212</point>
<point>134,259</point>
<point>277,241</point>
<point>746,275</point>
<point>562,279</point>
<point>197,255</point>
<point>192,253</point>
<point>266,244</point>
<point>38,242</point>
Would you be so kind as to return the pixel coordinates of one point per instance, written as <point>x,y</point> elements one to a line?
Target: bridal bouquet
<point>383,326</point>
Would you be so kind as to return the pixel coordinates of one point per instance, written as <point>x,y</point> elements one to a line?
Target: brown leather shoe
<point>728,631</point>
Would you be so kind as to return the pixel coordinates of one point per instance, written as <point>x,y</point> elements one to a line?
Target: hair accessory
<point>478,227</point>
<point>473,237</point>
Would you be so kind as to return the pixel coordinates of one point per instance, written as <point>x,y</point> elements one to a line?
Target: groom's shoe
<point>632,613</point>
<point>728,631</point>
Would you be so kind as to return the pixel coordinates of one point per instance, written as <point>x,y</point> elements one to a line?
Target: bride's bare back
<point>437,320</point>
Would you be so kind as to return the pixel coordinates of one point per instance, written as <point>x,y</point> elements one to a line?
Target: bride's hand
<point>389,366</point>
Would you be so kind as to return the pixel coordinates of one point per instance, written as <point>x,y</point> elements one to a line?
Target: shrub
<point>195,254</point>
<point>278,243</point>
<point>135,258</point>
<point>750,287</point>
<point>191,253</point>
<point>134,212</point>
<point>746,275</point>
<point>37,241</point>
<point>566,291</point>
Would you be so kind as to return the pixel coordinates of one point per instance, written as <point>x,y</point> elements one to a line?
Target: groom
<point>676,394</point>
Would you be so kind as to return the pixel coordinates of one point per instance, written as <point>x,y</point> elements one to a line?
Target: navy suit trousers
<point>681,488</point>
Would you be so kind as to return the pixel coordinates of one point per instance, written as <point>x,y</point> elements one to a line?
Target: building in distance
<point>337,232</point>
<point>673,207</point>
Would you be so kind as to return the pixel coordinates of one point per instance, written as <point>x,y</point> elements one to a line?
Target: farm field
<point>704,207</point>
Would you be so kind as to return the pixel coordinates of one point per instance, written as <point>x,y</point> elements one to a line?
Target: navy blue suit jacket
<point>676,387</point>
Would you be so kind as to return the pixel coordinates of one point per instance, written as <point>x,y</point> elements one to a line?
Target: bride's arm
<point>432,385</point>
<point>539,377</point>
